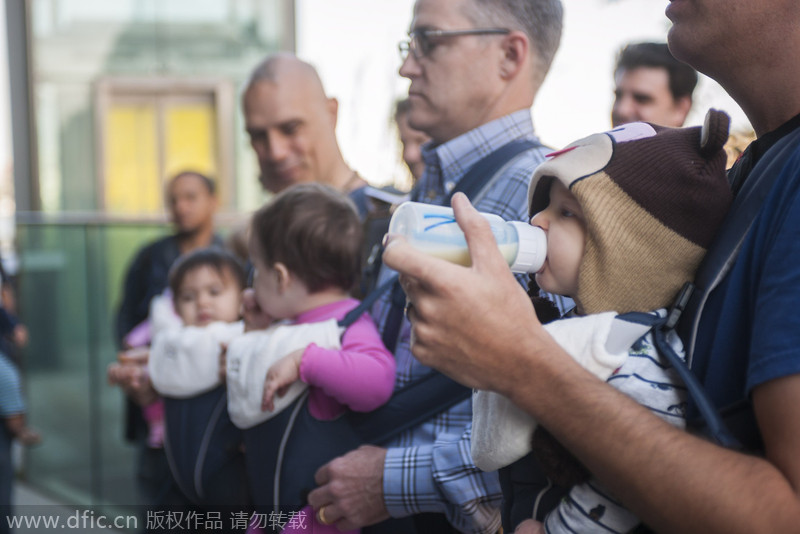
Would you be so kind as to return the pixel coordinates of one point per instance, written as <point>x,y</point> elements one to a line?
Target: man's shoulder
<point>163,249</point>
<point>531,158</point>
<point>780,164</point>
<point>159,244</point>
<point>505,193</point>
<point>359,197</point>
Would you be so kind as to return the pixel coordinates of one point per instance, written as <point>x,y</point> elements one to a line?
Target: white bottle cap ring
<point>532,248</point>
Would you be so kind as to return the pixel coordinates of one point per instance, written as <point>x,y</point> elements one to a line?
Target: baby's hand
<point>20,335</point>
<point>530,526</point>
<point>281,375</point>
<point>118,374</point>
<point>134,381</point>
<point>135,356</point>
<point>29,437</point>
<point>113,373</point>
<point>254,317</point>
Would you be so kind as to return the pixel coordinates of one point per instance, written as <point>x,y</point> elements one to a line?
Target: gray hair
<point>540,20</point>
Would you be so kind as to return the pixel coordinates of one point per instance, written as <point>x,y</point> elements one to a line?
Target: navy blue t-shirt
<point>750,329</point>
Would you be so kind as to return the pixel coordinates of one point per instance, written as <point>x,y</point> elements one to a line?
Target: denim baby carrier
<point>204,449</point>
<point>285,451</point>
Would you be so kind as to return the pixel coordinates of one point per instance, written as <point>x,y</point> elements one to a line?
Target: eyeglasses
<point>420,42</point>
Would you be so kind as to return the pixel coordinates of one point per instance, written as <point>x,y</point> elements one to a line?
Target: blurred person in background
<point>192,203</point>
<point>411,139</point>
<point>651,86</point>
<point>738,141</point>
<point>13,417</point>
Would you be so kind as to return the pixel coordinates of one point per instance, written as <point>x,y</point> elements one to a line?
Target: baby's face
<point>207,295</point>
<point>563,223</point>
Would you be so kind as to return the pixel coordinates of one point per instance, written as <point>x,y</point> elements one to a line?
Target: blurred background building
<point>108,100</point>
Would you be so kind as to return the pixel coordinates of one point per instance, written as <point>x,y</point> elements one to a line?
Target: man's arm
<point>488,337</point>
<point>134,290</point>
<point>369,484</point>
<point>442,478</point>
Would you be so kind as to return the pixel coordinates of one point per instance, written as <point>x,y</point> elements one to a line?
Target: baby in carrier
<point>305,248</point>
<point>191,324</point>
<point>178,346</point>
<point>206,287</point>
<point>628,215</point>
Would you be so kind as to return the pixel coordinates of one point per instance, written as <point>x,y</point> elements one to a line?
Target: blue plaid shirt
<point>429,468</point>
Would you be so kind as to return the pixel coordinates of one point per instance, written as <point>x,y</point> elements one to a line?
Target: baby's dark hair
<point>217,258</point>
<point>315,232</point>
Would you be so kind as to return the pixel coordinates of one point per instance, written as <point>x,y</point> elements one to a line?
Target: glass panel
<point>49,132</point>
<point>70,280</point>
<point>53,285</point>
<point>116,459</point>
<point>66,276</point>
<point>65,131</point>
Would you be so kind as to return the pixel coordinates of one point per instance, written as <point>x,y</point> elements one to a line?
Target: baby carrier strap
<point>723,251</point>
<point>725,248</point>
<point>433,393</point>
<point>659,326</point>
<point>483,171</point>
<point>299,443</point>
<point>353,315</point>
<point>203,449</point>
<point>471,184</point>
<point>410,406</point>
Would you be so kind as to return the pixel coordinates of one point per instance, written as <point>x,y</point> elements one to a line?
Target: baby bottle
<point>434,231</point>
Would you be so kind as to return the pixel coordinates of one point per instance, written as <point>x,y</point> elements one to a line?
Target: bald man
<point>292,127</point>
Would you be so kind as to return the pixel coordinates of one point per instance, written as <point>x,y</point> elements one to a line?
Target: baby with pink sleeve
<point>305,247</point>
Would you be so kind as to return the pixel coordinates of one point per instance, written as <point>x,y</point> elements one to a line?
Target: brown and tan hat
<point>653,198</point>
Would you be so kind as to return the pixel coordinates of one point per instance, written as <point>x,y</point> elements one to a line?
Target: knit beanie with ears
<point>652,198</point>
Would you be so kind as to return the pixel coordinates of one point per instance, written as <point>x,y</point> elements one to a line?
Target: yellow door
<point>149,139</point>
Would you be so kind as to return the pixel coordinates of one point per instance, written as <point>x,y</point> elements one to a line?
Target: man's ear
<point>333,109</point>
<point>682,107</point>
<point>284,276</point>
<point>516,51</point>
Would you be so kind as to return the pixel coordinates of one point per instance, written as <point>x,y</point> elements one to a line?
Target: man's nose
<point>278,147</point>
<point>623,111</point>
<point>410,67</point>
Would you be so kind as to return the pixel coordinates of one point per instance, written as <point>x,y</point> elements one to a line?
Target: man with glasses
<point>475,67</point>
